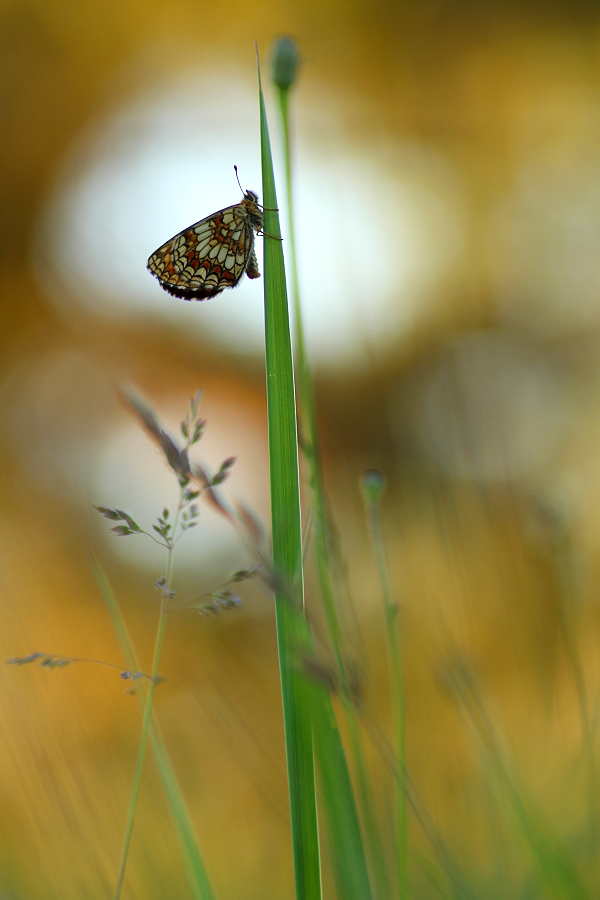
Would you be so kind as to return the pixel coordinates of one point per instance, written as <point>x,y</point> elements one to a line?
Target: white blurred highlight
<point>378,226</point>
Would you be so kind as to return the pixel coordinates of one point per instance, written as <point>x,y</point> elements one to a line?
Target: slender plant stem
<point>365,794</point>
<point>141,753</point>
<point>556,867</point>
<point>372,498</point>
<point>160,633</point>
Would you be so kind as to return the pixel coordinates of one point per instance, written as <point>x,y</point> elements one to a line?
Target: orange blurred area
<point>447,182</point>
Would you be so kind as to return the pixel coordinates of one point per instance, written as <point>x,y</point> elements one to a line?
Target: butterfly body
<point>211,255</point>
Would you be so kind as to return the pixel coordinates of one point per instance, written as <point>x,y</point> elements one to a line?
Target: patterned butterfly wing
<point>211,255</point>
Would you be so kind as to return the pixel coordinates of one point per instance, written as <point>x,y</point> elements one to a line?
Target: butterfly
<point>211,255</point>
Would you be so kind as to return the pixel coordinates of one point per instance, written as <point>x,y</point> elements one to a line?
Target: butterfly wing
<point>209,256</point>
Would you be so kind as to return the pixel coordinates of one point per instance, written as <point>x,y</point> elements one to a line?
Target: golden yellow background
<point>490,517</point>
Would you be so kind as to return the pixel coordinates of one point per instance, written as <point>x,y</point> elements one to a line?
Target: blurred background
<point>448,227</point>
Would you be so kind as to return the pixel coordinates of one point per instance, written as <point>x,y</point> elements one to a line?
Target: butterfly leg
<point>266,234</point>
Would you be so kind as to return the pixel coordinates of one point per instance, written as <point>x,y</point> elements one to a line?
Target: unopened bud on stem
<point>285,62</point>
<point>372,484</point>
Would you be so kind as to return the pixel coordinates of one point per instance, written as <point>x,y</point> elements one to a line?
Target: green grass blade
<point>287,541</point>
<point>343,830</point>
<point>194,864</point>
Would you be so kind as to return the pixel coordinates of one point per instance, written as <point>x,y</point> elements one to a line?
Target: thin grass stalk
<point>193,861</point>
<point>283,78</point>
<point>567,597</point>
<point>556,867</point>
<point>373,484</point>
<point>455,879</point>
<point>365,801</point>
<point>141,754</point>
<point>160,633</point>
<point>287,541</point>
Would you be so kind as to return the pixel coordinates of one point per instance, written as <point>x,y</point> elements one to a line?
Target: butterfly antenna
<point>238,180</point>
<point>269,208</point>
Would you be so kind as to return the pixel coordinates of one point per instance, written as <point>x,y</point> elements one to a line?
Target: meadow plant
<point>194,484</point>
<point>329,781</point>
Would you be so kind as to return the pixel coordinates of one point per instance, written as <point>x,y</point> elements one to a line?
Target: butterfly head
<point>253,209</point>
